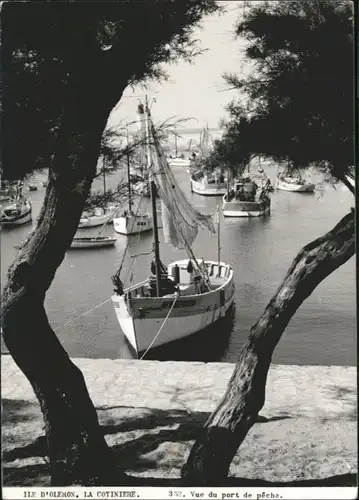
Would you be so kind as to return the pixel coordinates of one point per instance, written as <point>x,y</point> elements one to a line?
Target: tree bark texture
<point>211,455</point>
<point>77,448</point>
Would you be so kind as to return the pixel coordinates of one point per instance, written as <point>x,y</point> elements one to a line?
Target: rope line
<point>161,327</point>
<point>134,256</point>
<point>68,322</point>
<point>128,241</point>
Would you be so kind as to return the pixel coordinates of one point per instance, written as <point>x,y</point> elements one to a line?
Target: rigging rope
<point>161,327</point>
<point>128,241</point>
<point>134,256</point>
<point>68,322</point>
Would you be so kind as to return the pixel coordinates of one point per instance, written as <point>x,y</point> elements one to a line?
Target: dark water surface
<point>260,251</point>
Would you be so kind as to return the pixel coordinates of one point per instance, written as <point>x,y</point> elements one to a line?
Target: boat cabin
<point>179,279</point>
<point>243,190</point>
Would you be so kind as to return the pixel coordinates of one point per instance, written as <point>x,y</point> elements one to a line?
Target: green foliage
<point>297,103</point>
<point>54,53</point>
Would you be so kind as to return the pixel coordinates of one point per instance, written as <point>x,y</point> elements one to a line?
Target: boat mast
<point>128,173</point>
<point>104,175</point>
<point>219,239</point>
<point>176,154</point>
<point>156,245</point>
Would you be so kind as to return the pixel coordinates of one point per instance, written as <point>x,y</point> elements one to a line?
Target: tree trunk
<point>210,458</point>
<point>77,448</point>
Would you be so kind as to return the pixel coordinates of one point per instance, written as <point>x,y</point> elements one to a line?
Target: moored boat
<point>93,242</point>
<point>203,181</point>
<point>130,222</point>
<point>295,184</point>
<point>247,199</point>
<point>16,212</point>
<point>209,183</point>
<point>142,187</point>
<point>97,217</point>
<point>187,296</point>
<point>194,304</point>
<point>290,179</point>
<point>179,162</point>
<point>133,223</point>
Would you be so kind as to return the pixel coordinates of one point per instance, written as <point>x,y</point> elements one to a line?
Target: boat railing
<point>137,286</point>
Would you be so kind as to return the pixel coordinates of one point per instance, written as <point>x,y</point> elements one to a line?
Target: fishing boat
<point>16,212</point>
<point>142,185</point>
<point>203,181</point>
<point>209,183</point>
<point>247,199</point>
<point>130,222</point>
<point>83,242</point>
<point>294,181</point>
<point>189,294</point>
<point>178,160</point>
<point>97,216</point>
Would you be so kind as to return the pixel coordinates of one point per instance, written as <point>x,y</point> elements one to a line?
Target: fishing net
<point>180,219</point>
<point>205,143</point>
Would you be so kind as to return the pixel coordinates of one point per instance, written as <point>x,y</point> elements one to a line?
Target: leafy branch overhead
<point>53,51</point>
<point>296,103</point>
<point>118,145</point>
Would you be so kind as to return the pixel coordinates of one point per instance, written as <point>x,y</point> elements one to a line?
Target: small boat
<point>93,242</point>
<point>97,217</point>
<point>133,222</point>
<point>32,187</point>
<point>190,294</point>
<point>247,199</point>
<point>142,186</point>
<point>16,213</point>
<point>179,162</point>
<point>44,183</point>
<point>293,181</point>
<point>209,183</point>
<point>204,182</point>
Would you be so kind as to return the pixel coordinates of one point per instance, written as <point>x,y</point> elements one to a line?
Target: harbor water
<point>322,332</point>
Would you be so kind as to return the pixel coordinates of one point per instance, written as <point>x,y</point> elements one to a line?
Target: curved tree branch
<point>210,458</point>
<point>350,185</point>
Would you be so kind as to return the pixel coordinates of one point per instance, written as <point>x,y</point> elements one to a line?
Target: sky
<point>194,90</point>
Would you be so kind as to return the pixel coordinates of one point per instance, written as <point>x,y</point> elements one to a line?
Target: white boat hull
<point>206,189</point>
<point>295,187</point>
<point>133,224</point>
<point>95,242</point>
<point>140,318</point>
<point>95,220</point>
<point>19,219</point>
<point>245,208</point>
<point>179,162</point>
